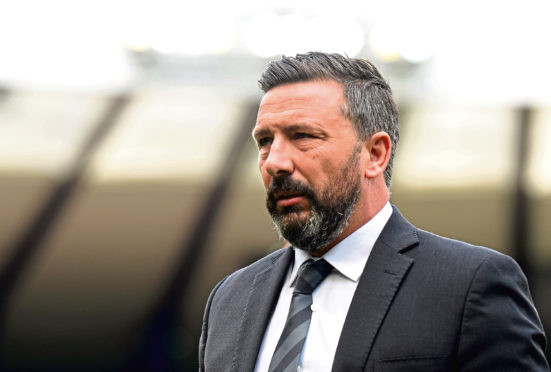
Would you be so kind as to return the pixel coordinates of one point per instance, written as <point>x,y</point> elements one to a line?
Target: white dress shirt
<point>331,299</point>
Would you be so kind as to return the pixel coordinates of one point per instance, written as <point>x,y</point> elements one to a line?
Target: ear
<point>378,148</point>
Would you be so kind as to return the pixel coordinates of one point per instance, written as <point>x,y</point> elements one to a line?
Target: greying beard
<point>320,228</point>
<point>329,215</point>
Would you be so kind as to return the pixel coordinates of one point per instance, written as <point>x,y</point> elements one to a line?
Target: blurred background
<point>128,178</point>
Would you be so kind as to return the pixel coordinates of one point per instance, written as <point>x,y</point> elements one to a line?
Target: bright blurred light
<point>419,44</point>
<point>385,42</point>
<point>397,38</point>
<point>70,45</point>
<point>258,41</point>
<point>267,34</point>
<point>496,55</point>
<point>173,27</point>
<point>337,35</point>
<point>193,35</point>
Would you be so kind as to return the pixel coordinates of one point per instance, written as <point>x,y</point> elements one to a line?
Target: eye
<point>301,135</point>
<point>263,142</point>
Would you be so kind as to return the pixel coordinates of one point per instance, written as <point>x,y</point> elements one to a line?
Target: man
<point>386,295</point>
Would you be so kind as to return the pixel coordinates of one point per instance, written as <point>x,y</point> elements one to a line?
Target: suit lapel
<point>263,295</point>
<point>380,280</point>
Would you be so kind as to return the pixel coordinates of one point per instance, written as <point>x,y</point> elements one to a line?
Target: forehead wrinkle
<point>267,111</point>
<point>308,105</point>
<point>306,111</point>
<point>286,125</point>
<point>285,100</point>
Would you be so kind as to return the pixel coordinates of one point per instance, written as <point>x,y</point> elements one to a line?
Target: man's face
<point>309,157</point>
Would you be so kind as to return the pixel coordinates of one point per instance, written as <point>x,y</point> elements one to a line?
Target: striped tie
<point>291,342</point>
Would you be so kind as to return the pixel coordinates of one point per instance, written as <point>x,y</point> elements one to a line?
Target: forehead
<point>302,101</point>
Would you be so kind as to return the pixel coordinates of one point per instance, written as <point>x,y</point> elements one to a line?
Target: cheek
<point>266,181</point>
<point>266,178</point>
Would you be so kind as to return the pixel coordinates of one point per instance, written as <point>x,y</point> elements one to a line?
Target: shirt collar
<point>350,255</point>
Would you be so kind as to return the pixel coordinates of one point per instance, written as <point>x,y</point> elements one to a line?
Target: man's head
<point>368,98</point>
<point>326,131</point>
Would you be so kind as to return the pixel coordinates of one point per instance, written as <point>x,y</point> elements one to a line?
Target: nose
<point>279,161</point>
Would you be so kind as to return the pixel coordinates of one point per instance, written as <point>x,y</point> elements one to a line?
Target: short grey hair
<point>369,104</point>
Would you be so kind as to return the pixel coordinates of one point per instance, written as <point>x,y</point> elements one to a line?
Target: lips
<point>289,201</point>
<point>286,199</point>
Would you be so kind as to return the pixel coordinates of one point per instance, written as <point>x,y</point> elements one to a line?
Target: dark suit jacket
<point>423,303</point>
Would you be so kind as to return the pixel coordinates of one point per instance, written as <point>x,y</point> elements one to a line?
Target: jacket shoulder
<point>457,251</point>
<point>244,275</point>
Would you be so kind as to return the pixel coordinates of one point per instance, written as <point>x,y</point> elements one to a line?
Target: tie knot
<point>311,275</point>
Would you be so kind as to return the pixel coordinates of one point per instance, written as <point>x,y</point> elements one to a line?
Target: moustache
<point>282,186</point>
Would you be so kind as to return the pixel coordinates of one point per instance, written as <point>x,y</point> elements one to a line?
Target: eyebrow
<point>301,126</point>
<point>261,132</point>
<point>256,133</point>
